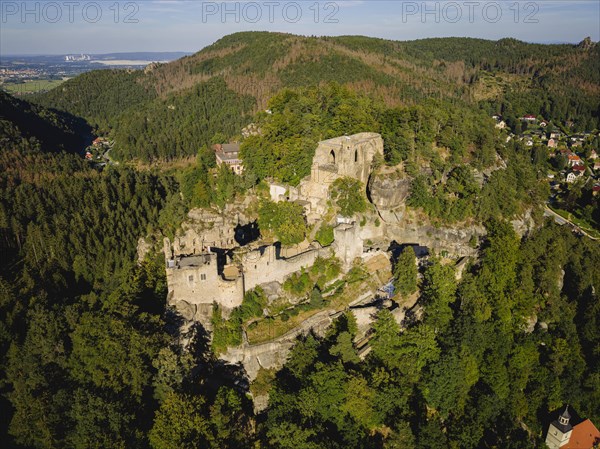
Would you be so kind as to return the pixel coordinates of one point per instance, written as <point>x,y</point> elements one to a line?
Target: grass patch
<point>325,235</point>
<point>263,382</point>
<point>228,333</point>
<point>31,86</point>
<point>355,283</point>
<point>321,273</point>
<point>584,225</point>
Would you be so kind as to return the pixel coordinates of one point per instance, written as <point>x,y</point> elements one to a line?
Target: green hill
<point>27,126</point>
<point>559,82</point>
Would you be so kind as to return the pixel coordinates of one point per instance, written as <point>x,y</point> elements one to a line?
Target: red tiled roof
<point>578,168</point>
<point>584,436</point>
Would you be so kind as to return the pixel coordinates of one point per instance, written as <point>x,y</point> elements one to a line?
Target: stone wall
<point>196,284</point>
<point>262,265</point>
<point>348,245</point>
<point>349,155</point>
<point>273,355</point>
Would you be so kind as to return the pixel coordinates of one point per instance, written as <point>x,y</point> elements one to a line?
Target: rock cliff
<point>389,191</point>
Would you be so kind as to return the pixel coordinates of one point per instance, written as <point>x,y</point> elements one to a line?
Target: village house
<point>99,141</point>
<point>596,189</point>
<point>574,160</point>
<point>555,135</point>
<point>597,166</point>
<point>229,154</point>
<point>552,143</point>
<point>562,435</point>
<point>528,141</point>
<point>576,173</point>
<point>543,124</point>
<point>593,155</point>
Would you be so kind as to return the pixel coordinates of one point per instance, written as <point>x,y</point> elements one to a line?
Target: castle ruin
<point>209,267</point>
<point>346,156</point>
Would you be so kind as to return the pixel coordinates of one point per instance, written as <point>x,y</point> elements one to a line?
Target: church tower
<point>559,432</point>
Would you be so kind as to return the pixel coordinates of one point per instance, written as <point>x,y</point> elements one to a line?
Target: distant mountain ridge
<point>136,56</point>
<point>559,82</point>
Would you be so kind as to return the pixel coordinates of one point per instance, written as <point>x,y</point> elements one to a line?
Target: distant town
<point>26,74</point>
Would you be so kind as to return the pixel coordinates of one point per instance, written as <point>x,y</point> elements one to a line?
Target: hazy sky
<point>58,27</point>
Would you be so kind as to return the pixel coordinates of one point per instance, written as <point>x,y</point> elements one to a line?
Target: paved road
<point>108,159</point>
<point>562,221</point>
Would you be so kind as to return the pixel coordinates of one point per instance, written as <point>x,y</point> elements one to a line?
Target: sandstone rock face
<point>273,355</point>
<point>524,224</point>
<point>143,248</point>
<point>260,403</point>
<point>455,241</point>
<point>398,227</point>
<point>389,191</point>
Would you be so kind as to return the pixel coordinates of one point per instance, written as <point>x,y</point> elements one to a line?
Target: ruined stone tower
<point>347,156</point>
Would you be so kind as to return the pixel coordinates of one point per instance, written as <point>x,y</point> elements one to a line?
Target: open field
<point>31,86</point>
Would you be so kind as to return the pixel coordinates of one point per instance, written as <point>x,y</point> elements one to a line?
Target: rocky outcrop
<point>273,355</point>
<point>586,44</point>
<point>453,240</point>
<point>251,130</point>
<point>403,228</point>
<point>523,224</point>
<point>389,191</point>
<point>143,248</point>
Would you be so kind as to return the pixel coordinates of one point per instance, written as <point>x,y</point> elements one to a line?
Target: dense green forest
<point>439,145</point>
<point>182,123</point>
<point>100,96</point>
<point>469,375</point>
<point>29,126</point>
<point>558,82</point>
<point>91,356</point>
<point>90,353</point>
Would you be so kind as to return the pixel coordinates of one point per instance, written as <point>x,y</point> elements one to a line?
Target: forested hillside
<point>28,126</point>
<point>92,356</point>
<point>558,82</point>
<point>100,96</point>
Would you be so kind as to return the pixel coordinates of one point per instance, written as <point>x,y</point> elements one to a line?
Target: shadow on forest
<point>56,130</point>
<point>209,373</point>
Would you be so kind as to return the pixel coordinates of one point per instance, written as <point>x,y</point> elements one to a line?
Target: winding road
<point>562,221</point>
